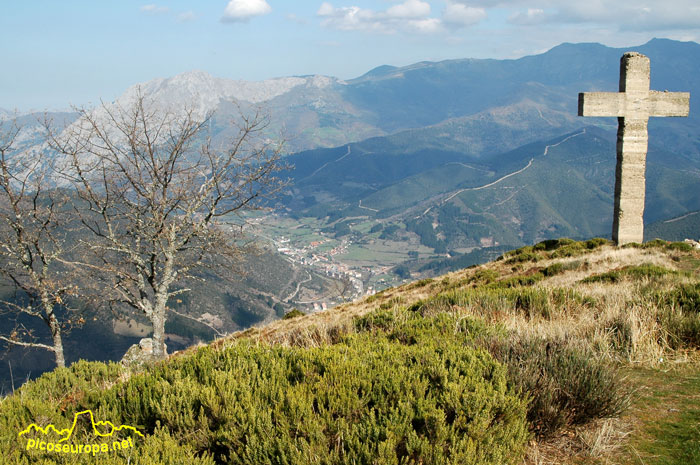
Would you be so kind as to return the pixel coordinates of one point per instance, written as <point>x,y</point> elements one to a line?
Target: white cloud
<point>408,16</point>
<point>326,9</point>
<point>459,15</point>
<point>186,16</point>
<point>154,9</point>
<point>530,17</point>
<point>640,15</point>
<point>243,10</point>
<point>409,9</point>
<point>634,15</point>
<point>425,26</point>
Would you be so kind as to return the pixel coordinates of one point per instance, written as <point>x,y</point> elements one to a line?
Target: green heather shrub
<point>553,244</point>
<point>609,277</point>
<point>43,400</point>
<point>415,393</point>
<point>558,268</point>
<point>572,248</point>
<point>566,385</point>
<point>681,315</point>
<point>553,248</point>
<point>596,242</point>
<point>486,300</point>
<point>517,281</point>
<point>634,272</point>
<point>157,448</point>
<point>391,303</point>
<point>293,313</point>
<point>421,283</point>
<point>553,270</point>
<point>660,243</point>
<point>652,244</point>
<point>381,320</point>
<point>681,246</point>
<point>686,298</point>
<point>647,270</point>
<point>523,257</point>
<point>484,276</point>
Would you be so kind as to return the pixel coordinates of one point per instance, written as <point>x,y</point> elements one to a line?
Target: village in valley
<point>312,249</point>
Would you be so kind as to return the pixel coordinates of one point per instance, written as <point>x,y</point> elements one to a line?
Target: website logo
<point>51,439</point>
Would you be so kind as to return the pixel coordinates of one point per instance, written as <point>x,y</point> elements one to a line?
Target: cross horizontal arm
<point>601,104</point>
<point>669,103</point>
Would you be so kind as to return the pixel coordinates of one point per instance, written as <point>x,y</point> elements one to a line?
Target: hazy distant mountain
<point>321,111</point>
<point>398,138</point>
<point>561,186</point>
<point>494,119</point>
<point>204,93</point>
<point>395,141</point>
<point>307,111</point>
<point>31,135</point>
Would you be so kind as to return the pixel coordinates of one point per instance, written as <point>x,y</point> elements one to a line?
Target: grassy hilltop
<point>562,352</point>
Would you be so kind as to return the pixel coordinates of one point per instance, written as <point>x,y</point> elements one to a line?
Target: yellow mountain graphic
<point>67,433</point>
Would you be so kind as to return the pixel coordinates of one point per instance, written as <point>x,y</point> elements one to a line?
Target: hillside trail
<point>293,294</point>
<point>452,195</point>
<point>326,164</point>
<point>514,173</point>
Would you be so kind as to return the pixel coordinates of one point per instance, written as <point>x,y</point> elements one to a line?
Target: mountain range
<point>322,111</point>
<point>436,163</point>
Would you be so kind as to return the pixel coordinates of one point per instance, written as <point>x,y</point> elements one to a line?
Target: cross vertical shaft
<point>633,106</point>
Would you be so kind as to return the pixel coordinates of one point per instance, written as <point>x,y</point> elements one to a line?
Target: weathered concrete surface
<point>633,106</point>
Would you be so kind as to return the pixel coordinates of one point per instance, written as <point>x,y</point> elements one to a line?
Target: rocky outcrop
<point>140,353</point>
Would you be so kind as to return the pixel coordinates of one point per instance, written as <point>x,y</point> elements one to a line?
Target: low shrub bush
<point>635,272</point>
<point>293,313</point>
<point>681,315</point>
<point>566,385</point>
<point>408,392</point>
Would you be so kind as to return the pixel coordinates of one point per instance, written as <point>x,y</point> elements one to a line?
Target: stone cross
<point>633,106</point>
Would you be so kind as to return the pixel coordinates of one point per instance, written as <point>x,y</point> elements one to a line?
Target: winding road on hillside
<point>293,294</point>
<point>326,164</point>
<point>367,208</point>
<point>502,178</point>
<point>673,220</point>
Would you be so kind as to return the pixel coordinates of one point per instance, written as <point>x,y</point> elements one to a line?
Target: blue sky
<point>58,53</point>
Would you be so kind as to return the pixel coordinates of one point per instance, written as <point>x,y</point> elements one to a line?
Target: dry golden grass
<point>595,442</point>
<point>616,304</point>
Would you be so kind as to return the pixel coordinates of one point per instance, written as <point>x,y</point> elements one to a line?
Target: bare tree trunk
<point>55,327</point>
<point>158,322</point>
<point>57,340</point>
<point>33,226</point>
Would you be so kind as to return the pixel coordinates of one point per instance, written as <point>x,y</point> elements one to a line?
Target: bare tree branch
<point>151,192</point>
<point>31,240</point>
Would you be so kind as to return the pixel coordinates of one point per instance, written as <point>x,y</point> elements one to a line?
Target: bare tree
<point>153,190</point>
<point>32,241</point>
